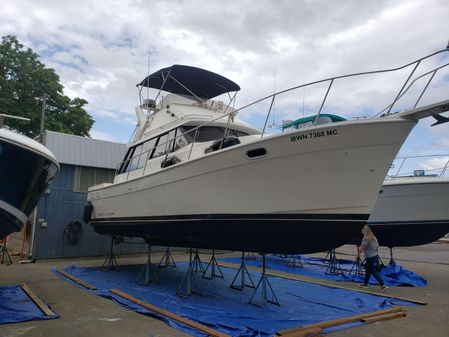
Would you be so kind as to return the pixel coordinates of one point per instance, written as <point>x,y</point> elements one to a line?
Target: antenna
<point>148,70</point>
<point>274,92</point>
<point>303,99</point>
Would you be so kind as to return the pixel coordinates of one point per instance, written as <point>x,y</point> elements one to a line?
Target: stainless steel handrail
<point>409,158</point>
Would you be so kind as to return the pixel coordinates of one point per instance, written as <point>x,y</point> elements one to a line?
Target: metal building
<point>57,229</point>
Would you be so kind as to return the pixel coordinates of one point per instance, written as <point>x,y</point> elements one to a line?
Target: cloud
<point>435,163</point>
<point>100,50</point>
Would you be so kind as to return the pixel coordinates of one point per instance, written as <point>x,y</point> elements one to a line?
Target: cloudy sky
<point>100,50</point>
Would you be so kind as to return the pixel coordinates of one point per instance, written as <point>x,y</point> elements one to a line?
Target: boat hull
<point>411,211</point>
<point>25,173</point>
<point>264,233</point>
<point>324,177</point>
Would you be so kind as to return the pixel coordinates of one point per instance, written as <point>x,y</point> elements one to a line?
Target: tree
<point>23,82</point>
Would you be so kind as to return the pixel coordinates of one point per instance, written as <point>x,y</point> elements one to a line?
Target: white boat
<point>26,168</point>
<point>194,176</point>
<point>411,211</point>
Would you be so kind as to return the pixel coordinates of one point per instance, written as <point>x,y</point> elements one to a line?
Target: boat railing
<point>435,165</point>
<point>4,116</point>
<point>409,82</point>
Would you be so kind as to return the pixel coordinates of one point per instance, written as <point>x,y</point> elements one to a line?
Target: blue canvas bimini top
<point>178,78</point>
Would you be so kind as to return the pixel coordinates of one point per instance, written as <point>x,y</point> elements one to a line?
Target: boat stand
<point>110,263</point>
<point>214,266</point>
<point>250,256</point>
<point>148,270</point>
<point>294,261</point>
<point>167,260</point>
<point>185,288</point>
<point>265,287</point>
<point>391,257</point>
<point>197,263</point>
<point>357,267</point>
<point>4,252</point>
<point>334,267</point>
<point>243,272</point>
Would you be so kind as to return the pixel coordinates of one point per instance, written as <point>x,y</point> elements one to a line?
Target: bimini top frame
<point>191,81</point>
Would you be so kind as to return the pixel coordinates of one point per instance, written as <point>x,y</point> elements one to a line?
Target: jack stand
<point>4,251</point>
<point>391,257</point>
<point>334,267</point>
<point>265,285</point>
<point>189,279</point>
<point>167,260</point>
<point>250,256</point>
<point>294,261</point>
<point>150,273</point>
<point>110,263</point>
<point>242,271</point>
<point>213,263</point>
<point>197,263</point>
<point>357,267</point>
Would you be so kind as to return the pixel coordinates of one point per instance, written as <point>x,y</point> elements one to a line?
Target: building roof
<point>82,151</point>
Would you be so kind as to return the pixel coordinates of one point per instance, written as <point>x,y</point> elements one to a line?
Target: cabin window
<point>171,140</point>
<point>235,133</point>
<point>209,133</point>
<point>147,151</point>
<point>134,164</point>
<point>182,138</point>
<point>161,146</point>
<point>125,164</point>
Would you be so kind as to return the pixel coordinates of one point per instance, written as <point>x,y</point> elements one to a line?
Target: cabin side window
<point>183,138</point>
<point>209,133</point>
<point>147,152</point>
<point>125,163</point>
<point>134,164</point>
<point>162,145</point>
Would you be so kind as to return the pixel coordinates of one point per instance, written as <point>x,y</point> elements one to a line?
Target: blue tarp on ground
<point>16,306</point>
<point>227,310</point>
<point>392,274</point>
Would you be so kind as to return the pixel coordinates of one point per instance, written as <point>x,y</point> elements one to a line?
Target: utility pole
<point>41,132</point>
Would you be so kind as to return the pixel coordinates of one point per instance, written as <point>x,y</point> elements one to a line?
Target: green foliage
<point>23,81</point>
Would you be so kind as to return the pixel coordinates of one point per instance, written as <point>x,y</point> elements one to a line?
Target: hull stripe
<point>14,211</point>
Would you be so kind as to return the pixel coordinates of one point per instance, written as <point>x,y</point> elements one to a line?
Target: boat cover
<point>16,306</point>
<point>203,83</point>
<point>227,310</point>
<point>302,120</point>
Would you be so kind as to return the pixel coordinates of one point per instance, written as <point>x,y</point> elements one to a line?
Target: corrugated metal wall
<point>60,207</point>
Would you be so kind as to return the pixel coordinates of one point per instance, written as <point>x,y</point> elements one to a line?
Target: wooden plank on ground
<point>313,280</point>
<point>384,317</point>
<point>305,333</point>
<point>341,321</point>
<point>42,306</point>
<point>198,326</point>
<point>77,280</point>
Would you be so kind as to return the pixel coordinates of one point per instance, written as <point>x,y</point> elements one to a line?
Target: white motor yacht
<point>26,168</point>
<point>411,211</point>
<point>195,176</point>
